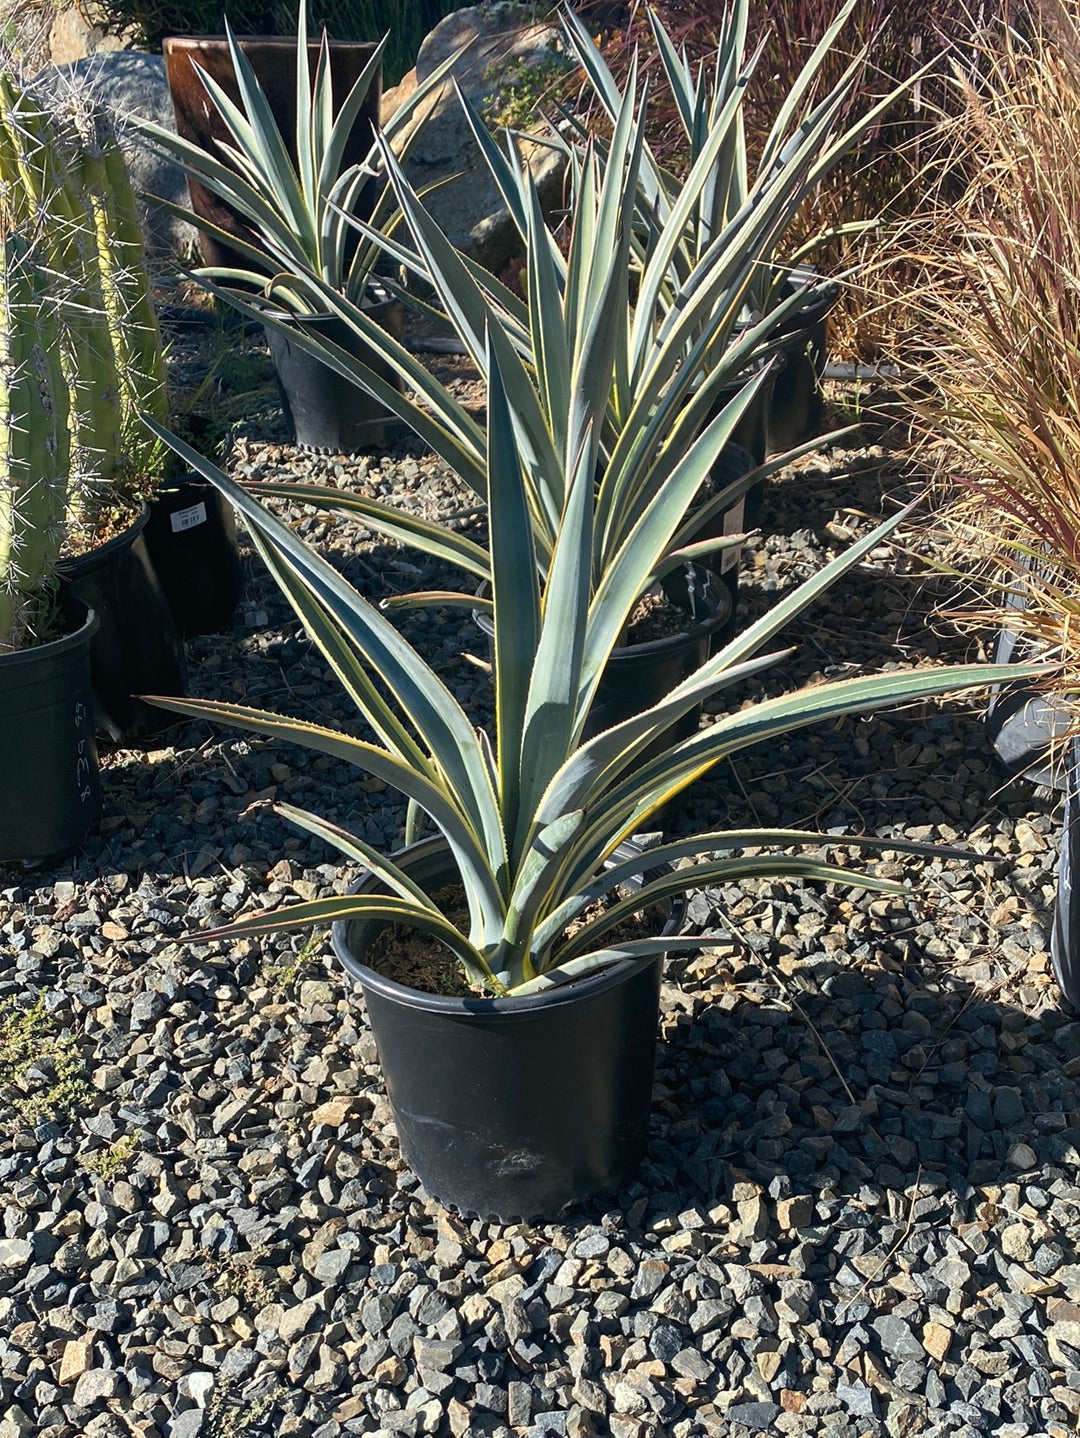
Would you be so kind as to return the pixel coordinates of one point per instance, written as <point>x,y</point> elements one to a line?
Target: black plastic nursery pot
<point>1065,936</point>
<point>796,405</point>
<point>752,433</point>
<point>328,412</point>
<point>733,463</point>
<point>48,757</point>
<point>191,539</point>
<point>137,648</point>
<point>511,1109</point>
<point>1027,729</point>
<point>640,675</point>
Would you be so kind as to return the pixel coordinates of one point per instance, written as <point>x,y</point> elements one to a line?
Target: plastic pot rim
<point>476,1006</point>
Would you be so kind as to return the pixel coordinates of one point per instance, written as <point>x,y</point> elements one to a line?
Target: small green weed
<point>111,1162</point>
<point>282,976</point>
<point>240,1277</point>
<point>229,1416</point>
<point>42,1077</point>
<point>522,87</point>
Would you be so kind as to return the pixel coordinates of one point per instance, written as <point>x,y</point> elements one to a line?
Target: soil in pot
<point>512,1108</point>
<point>137,648</point>
<point>327,412</point>
<point>48,757</point>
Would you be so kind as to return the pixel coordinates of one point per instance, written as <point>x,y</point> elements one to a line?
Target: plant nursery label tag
<point>196,515</point>
<point>733,523</point>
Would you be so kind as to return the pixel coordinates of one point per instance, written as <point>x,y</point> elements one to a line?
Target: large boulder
<point>130,83</point>
<point>80,30</point>
<point>491,41</point>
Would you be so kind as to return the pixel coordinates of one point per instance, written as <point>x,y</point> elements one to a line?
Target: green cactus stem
<point>34,440</point>
<point>39,149</point>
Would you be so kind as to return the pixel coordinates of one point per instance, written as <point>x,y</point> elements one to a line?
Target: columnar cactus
<point>101,172</point>
<point>62,170</point>
<point>34,439</point>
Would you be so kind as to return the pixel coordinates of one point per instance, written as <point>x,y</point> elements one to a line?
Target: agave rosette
<point>634,380</point>
<point>533,813</point>
<point>302,211</point>
<point>710,104</point>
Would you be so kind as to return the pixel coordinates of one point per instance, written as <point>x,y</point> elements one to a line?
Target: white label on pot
<point>189,518</point>
<point>733,524</point>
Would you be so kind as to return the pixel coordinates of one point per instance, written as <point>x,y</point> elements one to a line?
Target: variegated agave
<point>710,105</point>
<point>533,813</point>
<point>301,212</point>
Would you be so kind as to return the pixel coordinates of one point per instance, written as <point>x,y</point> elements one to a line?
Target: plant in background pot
<point>679,343</point>
<point>652,384</point>
<point>509,1097</point>
<point>48,763</point>
<point>293,196</point>
<point>63,171</point>
<point>707,99</point>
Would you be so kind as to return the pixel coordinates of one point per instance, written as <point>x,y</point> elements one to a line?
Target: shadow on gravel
<point>859,1084</point>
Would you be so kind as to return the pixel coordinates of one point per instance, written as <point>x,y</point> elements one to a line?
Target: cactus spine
<point>34,440</point>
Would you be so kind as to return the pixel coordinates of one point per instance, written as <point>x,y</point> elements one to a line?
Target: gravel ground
<point>860,1208</point>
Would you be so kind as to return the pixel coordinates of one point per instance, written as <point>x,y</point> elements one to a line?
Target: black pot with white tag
<point>191,536</point>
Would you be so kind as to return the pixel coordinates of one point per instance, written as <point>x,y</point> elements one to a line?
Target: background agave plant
<point>300,211</point>
<point>626,381</point>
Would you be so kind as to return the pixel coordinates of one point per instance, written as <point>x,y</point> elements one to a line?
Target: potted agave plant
<point>711,101</point>
<point>48,760</point>
<point>526,1088</point>
<point>652,389</point>
<point>294,195</point>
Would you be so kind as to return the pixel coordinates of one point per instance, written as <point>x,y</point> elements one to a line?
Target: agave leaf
<point>625,575</point>
<point>771,718</point>
<point>224,180</point>
<point>437,599</point>
<point>431,710</point>
<point>515,598</point>
<point>530,893</point>
<point>408,528</point>
<point>786,115</point>
<point>632,950</point>
<point>716,871</point>
<point>353,847</point>
<point>447,427</point>
<point>432,796</point>
<point>338,136</point>
<point>549,727</point>
<point>311,104</point>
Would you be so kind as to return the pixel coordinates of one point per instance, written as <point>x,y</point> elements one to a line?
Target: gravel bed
<point>860,1208</point>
